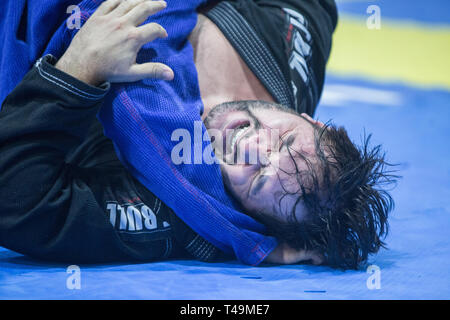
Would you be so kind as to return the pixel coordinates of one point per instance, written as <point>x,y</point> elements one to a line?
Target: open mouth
<point>232,135</point>
<point>238,134</point>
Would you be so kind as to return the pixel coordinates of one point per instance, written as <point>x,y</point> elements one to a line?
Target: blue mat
<point>434,12</point>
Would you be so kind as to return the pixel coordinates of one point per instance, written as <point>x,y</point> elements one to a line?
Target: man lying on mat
<point>63,187</point>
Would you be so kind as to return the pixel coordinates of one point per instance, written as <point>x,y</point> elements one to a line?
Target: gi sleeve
<point>53,209</point>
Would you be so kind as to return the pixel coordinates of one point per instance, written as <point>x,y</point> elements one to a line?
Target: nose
<point>255,150</point>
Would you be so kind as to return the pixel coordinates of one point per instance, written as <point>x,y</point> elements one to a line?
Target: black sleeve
<point>57,206</point>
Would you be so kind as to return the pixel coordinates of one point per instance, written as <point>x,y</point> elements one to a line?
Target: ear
<point>316,122</point>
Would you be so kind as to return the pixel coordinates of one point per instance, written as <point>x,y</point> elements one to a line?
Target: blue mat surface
<point>434,12</point>
<point>413,126</point>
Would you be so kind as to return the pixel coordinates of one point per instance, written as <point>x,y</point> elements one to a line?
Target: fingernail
<point>167,75</point>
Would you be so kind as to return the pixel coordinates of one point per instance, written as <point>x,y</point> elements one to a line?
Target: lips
<point>232,134</point>
<point>237,137</point>
<point>235,124</point>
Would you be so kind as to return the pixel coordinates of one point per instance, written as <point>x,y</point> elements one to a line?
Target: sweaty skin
<point>223,75</point>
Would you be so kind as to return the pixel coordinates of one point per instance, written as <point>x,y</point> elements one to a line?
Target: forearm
<point>50,101</point>
<point>57,211</point>
<point>47,115</point>
<point>41,121</point>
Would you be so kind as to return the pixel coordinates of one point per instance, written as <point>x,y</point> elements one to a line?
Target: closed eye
<point>287,142</point>
<point>258,183</point>
<point>283,140</point>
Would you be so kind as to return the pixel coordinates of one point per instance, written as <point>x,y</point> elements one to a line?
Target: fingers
<point>151,71</point>
<point>316,258</point>
<point>127,5</point>
<point>141,12</point>
<point>287,255</point>
<point>150,32</point>
<point>107,6</point>
<point>126,15</point>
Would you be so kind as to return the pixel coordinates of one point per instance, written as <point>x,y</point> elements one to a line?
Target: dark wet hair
<point>346,197</point>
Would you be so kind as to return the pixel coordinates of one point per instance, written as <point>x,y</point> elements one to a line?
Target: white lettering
<point>150,221</point>
<point>73,282</point>
<point>374,21</point>
<point>181,153</point>
<point>74,21</point>
<point>374,281</point>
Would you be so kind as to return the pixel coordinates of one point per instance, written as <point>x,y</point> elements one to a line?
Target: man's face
<point>259,149</point>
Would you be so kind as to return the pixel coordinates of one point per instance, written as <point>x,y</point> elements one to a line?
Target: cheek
<point>265,201</point>
<point>234,181</point>
<point>234,177</point>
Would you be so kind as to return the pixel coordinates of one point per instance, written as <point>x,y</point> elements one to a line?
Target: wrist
<point>75,89</point>
<point>275,256</point>
<point>78,71</point>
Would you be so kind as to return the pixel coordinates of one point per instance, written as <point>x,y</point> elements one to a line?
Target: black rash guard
<point>64,194</point>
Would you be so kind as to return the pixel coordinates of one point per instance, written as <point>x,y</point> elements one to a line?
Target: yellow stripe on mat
<point>407,52</point>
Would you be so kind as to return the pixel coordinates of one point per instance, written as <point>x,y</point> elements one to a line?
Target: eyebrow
<point>262,179</point>
<point>288,142</point>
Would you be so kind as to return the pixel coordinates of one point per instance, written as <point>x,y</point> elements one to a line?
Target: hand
<point>283,254</point>
<point>106,47</point>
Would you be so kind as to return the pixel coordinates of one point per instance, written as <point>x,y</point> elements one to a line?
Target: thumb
<point>316,258</point>
<point>151,71</point>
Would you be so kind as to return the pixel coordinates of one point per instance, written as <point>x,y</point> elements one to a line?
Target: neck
<point>223,75</point>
